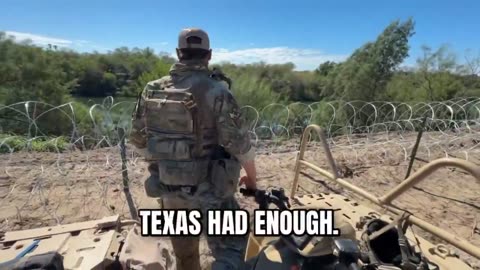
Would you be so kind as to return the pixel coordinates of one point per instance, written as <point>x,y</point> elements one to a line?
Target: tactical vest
<point>180,130</point>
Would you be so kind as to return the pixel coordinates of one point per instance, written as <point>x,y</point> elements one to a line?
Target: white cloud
<point>304,59</point>
<point>39,39</point>
<point>81,43</point>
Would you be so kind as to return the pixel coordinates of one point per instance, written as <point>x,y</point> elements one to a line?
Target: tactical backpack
<point>176,142</point>
<point>171,125</point>
<point>173,136</point>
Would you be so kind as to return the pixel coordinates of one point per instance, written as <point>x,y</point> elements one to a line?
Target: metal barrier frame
<point>385,201</point>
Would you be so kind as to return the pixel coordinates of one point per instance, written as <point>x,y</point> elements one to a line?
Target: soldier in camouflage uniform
<point>189,128</point>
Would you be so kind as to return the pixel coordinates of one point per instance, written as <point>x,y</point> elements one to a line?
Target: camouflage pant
<point>228,251</point>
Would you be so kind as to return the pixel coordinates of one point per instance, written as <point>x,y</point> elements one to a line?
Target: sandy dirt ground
<point>39,189</point>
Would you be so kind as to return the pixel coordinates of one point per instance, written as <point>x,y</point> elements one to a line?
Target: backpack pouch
<point>183,173</point>
<point>225,177</point>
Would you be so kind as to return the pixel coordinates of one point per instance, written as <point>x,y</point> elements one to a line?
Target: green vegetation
<point>14,143</point>
<point>372,73</point>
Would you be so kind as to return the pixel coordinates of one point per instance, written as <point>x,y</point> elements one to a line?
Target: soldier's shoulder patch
<point>218,104</point>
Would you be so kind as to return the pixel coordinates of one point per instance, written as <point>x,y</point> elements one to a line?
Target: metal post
<point>415,147</point>
<point>126,188</point>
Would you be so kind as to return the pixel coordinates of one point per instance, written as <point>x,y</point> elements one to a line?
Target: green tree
<point>436,70</point>
<point>365,74</point>
<point>325,68</point>
<point>161,69</point>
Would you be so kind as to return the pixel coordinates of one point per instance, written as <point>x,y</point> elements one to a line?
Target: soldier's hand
<point>249,183</point>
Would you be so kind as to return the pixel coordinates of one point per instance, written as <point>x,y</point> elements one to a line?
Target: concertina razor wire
<point>36,189</point>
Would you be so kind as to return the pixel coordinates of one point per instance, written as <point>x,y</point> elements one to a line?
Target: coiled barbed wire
<point>356,127</point>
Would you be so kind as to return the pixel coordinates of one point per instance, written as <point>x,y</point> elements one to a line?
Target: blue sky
<point>243,31</point>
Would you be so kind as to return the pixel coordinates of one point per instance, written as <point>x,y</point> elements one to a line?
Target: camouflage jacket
<point>217,107</point>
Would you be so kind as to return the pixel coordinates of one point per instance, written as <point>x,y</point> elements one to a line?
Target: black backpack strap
<point>410,259</point>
